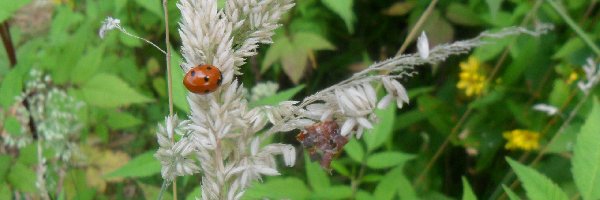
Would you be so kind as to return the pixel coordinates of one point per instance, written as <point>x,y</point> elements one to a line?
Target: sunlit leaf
<point>106,90</point>
<point>381,131</point>
<point>536,185</point>
<point>387,159</point>
<point>87,65</point>
<point>279,97</point>
<point>120,120</point>
<point>22,178</point>
<point>511,194</point>
<point>586,156</point>
<point>278,188</point>
<point>141,166</point>
<point>467,190</point>
<point>343,8</point>
<point>355,150</point>
<point>152,192</point>
<point>387,187</point>
<point>153,6</point>
<point>9,7</point>
<point>317,178</point>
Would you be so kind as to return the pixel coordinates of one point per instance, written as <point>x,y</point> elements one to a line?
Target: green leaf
<point>335,192</point>
<point>275,52</point>
<point>9,7</point>
<point>5,192</point>
<point>467,190</point>
<point>388,159</point>
<point>343,8</point>
<point>405,188</point>
<point>310,41</point>
<point>559,93</point>
<point>141,166</point>
<point>194,193</point>
<point>294,61</point>
<point>152,192</point>
<point>278,188</point>
<point>5,163</point>
<point>87,65</point>
<point>12,85</point>
<point>536,185</point>
<point>179,91</point>
<point>355,150</point>
<point>279,97</point>
<point>494,6</point>
<point>511,195</point>
<point>461,14</point>
<point>317,179</point>
<point>12,126</point>
<point>22,178</point>
<point>153,6</point>
<point>387,188</point>
<point>382,131</point>
<point>121,120</point>
<point>106,90</point>
<point>571,46</point>
<point>586,156</point>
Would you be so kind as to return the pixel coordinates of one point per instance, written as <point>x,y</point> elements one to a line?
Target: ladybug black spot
<point>206,79</point>
<point>206,91</point>
<point>219,81</point>
<point>193,73</point>
<point>209,68</point>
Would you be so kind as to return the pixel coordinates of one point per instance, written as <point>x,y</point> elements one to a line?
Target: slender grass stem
<point>169,79</point>
<point>563,14</point>
<point>418,25</point>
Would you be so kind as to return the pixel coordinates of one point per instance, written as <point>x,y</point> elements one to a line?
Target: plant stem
<point>418,25</point>
<point>575,27</point>
<point>8,45</point>
<point>169,79</point>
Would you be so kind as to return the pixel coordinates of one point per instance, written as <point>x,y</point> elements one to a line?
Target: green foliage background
<point>322,42</point>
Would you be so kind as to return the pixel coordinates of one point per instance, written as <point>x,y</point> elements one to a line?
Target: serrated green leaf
<point>461,14</point>
<point>194,194</point>
<point>568,48</point>
<point>12,85</point>
<point>334,192</point>
<point>494,6</point>
<point>107,90</point>
<point>152,192</point>
<point>511,195</point>
<point>9,7</point>
<point>586,156</point>
<point>383,130</point>
<point>5,192</point>
<point>12,126</point>
<point>294,61</point>
<point>307,41</point>
<point>275,52</point>
<point>363,195</point>
<point>387,187</point>
<point>317,178</point>
<point>467,190</point>
<point>278,188</point>
<point>87,65</point>
<point>355,150</point>
<point>22,178</point>
<point>179,91</point>
<point>153,6</point>
<point>5,163</point>
<point>121,120</point>
<point>405,188</point>
<point>279,97</point>
<point>343,8</point>
<point>141,166</point>
<point>388,159</point>
<point>536,185</point>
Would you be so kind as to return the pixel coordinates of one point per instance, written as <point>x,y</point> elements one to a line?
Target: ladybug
<point>203,79</point>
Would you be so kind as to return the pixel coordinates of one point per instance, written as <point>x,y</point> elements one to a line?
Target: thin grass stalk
<point>169,80</point>
<point>565,16</point>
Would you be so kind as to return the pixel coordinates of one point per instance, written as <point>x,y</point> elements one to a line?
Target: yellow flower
<point>572,77</point>
<point>472,81</point>
<point>522,139</point>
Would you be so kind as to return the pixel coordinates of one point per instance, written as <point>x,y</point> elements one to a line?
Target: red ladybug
<point>203,79</point>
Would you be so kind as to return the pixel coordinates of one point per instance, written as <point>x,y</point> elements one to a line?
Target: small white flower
<point>592,75</point>
<point>109,24</point>
<point>423,46</point>
<point>548,109</point>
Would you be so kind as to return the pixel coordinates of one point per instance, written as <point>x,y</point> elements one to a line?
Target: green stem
<point>574,26</point>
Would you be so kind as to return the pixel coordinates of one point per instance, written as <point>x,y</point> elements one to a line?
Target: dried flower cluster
<point>220,137</point>
<point>592,76</point>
